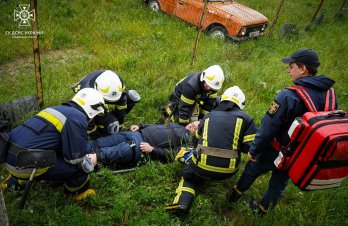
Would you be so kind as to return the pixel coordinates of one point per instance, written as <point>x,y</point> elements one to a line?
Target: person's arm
<point>186,104</point>
<point>120,108</point>
<point>273,122</point>
<point>209,103</point>
<point>74,140</point>
<point>249,135</point>
<point>158,153</point>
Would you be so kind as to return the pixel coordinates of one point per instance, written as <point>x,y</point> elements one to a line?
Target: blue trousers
<point>116,148</point>
<point>277,183</point>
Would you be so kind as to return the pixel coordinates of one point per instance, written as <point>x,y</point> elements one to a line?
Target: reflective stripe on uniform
<point>205,133</point>
<point>214,95</point>
<point>249,138</point>
<point>24,173</point>
<point>92,130</point>
<point>53,116</point>
<point>180,189</point>
<point>121,107</point>
<point>187,100</point>
<point>75,189</point>
<point>204,112</point>
<point>236,134</point>
<point>197,135</point>
<point>202,164</point>
<point>181,120</point>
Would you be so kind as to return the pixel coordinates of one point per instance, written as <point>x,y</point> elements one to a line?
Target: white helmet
<point>109,85</point>
<point>91,101</point>
<point>213,76</point>
<point>236,95</point>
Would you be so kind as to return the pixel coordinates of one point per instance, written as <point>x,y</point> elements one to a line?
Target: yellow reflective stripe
<point>205,133</point>
<point>178,194</point>
<point>197,135</point>
<point>237,129</point>
<point>92,130</point>
<point>187,100</point>
<point>214,95</point>
<point>232,163</point>
<point>181,189</point>
<point>180,81</point>
<point>109,106</point>
<point>236,189</point>
<point>121,107</point>
<point>263,208</point>
<point>55,117</point>
<point>24,173</point>
<point>184,120</point>
<point>204,111</point>
<point>248,138</point>
<point>75,189</point>
<point>168,110</point>
<point>214,168</point>
<point>204,159</point>
<point>190,190</point>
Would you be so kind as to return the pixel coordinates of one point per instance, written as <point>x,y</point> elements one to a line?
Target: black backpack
<point>5,126</point>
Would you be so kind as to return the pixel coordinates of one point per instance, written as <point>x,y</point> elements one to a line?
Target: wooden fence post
<point>199,32</point>
<point>36,50</point>
<point>276,17</point>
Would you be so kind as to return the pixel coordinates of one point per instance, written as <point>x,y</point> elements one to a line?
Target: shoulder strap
<point>301,91</point>
<point>330,100</point>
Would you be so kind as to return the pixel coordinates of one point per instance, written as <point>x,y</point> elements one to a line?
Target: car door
<point>189,10</point>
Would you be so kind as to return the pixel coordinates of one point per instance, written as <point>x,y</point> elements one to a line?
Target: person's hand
<point>93,158</point>
<point>251,158</point>
<point>146,147</point>
<point>134,128</point>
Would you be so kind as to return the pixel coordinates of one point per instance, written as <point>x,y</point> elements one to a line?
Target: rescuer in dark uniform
<point>118,100</point>
<point>197,90</point>
<point>224,134</point>
<point>62,129</point>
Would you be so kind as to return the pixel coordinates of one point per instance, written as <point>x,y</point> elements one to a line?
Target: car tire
<point>218,32</point>
<point>154,5</point>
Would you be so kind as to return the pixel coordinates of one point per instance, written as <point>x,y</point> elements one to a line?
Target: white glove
<point>134,95</point>
<point>113,127</point>
<point>87,165</point>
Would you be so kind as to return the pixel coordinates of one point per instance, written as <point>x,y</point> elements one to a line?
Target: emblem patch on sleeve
<point>273,108</point>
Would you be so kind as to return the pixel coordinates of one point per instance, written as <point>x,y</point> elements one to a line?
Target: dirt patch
<point>26,64</point>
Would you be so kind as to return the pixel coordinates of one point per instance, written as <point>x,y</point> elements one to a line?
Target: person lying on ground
<point>150,141</point>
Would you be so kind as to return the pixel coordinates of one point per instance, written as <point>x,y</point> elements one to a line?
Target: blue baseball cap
<point>306,56</point>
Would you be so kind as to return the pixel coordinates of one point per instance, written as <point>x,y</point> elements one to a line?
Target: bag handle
<point>330,100</point>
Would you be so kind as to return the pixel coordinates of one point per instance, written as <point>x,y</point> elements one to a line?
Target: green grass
<point>153,51</point>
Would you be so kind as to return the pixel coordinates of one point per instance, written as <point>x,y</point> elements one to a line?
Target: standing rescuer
<point>198,89</point>
<point>273,133</point>
<point>118,100</point>
<point>62,129</point>
<point>224,134</point>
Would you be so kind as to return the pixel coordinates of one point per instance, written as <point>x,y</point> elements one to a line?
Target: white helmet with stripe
<point>234,94</point>
<point>109,85</point>
<point>213,76</point>
<point>91,101</point>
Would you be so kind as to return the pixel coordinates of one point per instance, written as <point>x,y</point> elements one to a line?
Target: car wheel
<point>154,5</point>
<point>218,32</point>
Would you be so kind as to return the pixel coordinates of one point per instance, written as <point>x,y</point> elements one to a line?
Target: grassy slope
<point>152,51</point>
